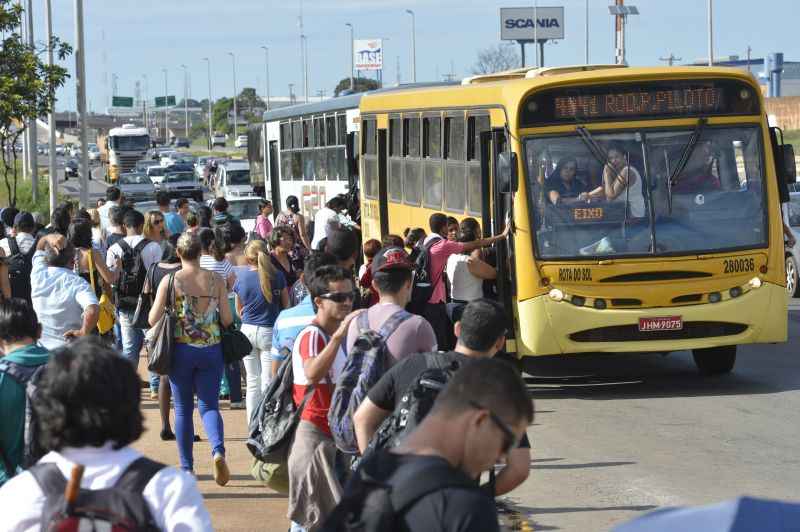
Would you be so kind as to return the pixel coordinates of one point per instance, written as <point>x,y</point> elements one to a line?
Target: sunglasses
<point>338,297</point>
<point>510,439</point>
<point>158,222</point>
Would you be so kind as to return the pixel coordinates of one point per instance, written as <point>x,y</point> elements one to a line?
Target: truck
<point>122,148</point>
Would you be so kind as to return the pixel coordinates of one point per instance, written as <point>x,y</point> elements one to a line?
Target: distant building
<point>789,80</point>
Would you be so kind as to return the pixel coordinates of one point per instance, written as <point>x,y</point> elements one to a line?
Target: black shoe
<point>167,435</point>
<point>196,437</point>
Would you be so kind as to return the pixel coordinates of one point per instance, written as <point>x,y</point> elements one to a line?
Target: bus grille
<point>631,333</point>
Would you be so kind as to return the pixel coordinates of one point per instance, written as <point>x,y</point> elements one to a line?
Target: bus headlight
<point>736,291</point>
<point>600,304</point>
<point>755,282</point>
<point>714,297</point>
<point>556,294</point>
<point>578,301</point>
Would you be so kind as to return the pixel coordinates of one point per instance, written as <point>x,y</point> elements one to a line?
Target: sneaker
<point>237,405</point>
<point>221,472</point>
<point>167,435</point>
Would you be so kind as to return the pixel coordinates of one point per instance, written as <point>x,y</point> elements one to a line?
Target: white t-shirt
<point>25,242</point>
<point>171,495</point>
<point>103,211</point>
<point>464,286</point>
<point>151,253</point>
<point>321,219</point>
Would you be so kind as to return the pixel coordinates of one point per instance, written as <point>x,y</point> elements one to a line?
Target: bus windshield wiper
<point>672,177</point>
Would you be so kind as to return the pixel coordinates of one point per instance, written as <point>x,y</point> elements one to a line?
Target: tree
<point>27,86</point>
<point>496,59</point>
<point>362,85</point>
<point>248,99</point>
<point>220,115</point>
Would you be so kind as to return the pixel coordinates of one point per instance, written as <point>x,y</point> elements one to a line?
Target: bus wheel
<point>791,276</point>
<point>715,360</point>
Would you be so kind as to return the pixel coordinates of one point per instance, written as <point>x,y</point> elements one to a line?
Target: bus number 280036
<point>739,265</point>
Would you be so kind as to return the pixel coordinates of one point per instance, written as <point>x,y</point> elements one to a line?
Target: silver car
<point>791,213</point>
<point>136,186</point>
<point>182,184</point>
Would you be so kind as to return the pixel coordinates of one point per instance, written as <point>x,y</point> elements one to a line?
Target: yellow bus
<point>645,201</point>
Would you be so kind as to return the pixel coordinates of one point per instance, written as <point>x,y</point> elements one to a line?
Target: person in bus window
<point>562,184</point>
<point>701,173</point>
<point>621,183</point>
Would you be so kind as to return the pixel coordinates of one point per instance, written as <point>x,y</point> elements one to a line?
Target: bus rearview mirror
<point>789,165</point>
<point>507,176</point>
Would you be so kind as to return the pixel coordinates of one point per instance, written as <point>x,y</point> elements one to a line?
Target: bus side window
<point>475,126</point>
<point>395,174</point>
<point>455,169</point>
<point>432,164</point>
<point>412,180</point>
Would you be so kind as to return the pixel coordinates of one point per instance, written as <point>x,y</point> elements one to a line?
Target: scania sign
<point>520,24</point>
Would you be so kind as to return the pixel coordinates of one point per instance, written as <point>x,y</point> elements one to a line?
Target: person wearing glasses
<point>318,358</point>
<point>477,420</point>
<point>481,333</point>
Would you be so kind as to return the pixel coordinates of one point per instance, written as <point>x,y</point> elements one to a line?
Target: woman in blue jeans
<point>260,295</point>
<point>201,309</point>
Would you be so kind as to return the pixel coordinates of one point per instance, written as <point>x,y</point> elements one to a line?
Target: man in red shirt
<point>435,311</point>
<point>318,358</point>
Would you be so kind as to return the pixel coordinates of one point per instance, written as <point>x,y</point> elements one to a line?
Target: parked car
<point>181,142</point>
<point>181,184</point>
<point>136,186</point>
<point>233,180</point>
<point>217,139</point>
<point>156,174</point>
<point>241,141</point>
<point>71,169</point>
<point>791,213</point>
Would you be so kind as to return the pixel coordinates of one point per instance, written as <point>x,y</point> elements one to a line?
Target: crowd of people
<point>80,294</point>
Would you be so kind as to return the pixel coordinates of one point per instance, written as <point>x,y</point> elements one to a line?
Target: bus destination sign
<point>692,101</point>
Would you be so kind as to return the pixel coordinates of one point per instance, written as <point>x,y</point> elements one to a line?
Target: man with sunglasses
<point>481,333</point>
<point>430,478</point>
<point>318,358</point>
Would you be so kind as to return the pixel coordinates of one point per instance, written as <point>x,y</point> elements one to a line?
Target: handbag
<point>145,301</point>
<point>235,345</point>
<point>160,339</point>
<point>107,315</point>
<point>273,476</point>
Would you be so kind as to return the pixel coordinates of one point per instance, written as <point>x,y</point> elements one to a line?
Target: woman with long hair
<point>234,234</point>
<point>282,243</point>
<point>154,228</point>
<point>261,293</point>
<point>79,234</point>
<point>263,223</point>
<point>201,311</point>
<point>291,217</point>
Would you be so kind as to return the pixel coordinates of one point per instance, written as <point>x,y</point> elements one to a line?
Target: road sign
<point>121,101</point>
<point>160,101</point>
<point>517,24</point>
<point>368,54</point>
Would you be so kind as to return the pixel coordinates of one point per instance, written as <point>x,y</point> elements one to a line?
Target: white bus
<point>124,146</point>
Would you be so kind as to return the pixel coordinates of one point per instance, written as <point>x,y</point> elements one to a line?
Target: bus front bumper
<point>550,327</point>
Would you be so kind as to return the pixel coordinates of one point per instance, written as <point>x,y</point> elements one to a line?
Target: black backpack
<point>424,281</point>
<point>20,266</point>
<point>132,275</point>
<point>371,504</point>
<point>28,377</point>
<point>120,508</point>
<point>414,405</point>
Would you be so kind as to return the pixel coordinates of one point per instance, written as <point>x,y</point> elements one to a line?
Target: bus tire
<point>791,276</point>
<point>715,360</point>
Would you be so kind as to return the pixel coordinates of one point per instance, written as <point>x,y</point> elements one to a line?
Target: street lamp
<point>413,46</point>
<point>621,12</point>
<point>235,108</point>
<point>166,108</point>
<point>207,60</point>
<point>53,180</point>
<point>352,53</point>
<point>710,34</point>
<point>80,84</point>
<point>185,103</point>
<point>266,74</point>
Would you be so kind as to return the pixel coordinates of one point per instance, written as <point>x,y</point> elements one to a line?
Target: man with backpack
<point>132,256</point>
<point>400,399</point>
<point>88,412</point>
<point>19,334</point>
<point>429,295</point>
<point>20,249</point>
<point>113,199</point>
<point>428,483</point>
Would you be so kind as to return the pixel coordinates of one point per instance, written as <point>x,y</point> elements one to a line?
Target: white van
<point>233,180</point>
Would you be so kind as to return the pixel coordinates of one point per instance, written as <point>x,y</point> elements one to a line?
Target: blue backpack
<point>366,363</point>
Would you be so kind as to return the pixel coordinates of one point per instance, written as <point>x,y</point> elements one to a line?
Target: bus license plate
<point>661,323</point>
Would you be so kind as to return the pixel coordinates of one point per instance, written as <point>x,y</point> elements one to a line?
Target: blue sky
<point>144,36</point>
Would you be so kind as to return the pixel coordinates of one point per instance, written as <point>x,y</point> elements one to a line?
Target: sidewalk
<point>244,504</point>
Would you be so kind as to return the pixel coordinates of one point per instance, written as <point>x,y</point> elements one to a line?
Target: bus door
<point>497,207</point>
<point>274,178</point>
<point>383,196</point>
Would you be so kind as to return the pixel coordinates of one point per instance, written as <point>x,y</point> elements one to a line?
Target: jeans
<point>132,340</point>
<point>257,364</point>
<point>196,369</point>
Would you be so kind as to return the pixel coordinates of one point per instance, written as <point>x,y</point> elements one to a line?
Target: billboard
<point>368,54</point>
<point>517,24</point>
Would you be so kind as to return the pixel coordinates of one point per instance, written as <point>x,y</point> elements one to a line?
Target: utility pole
<point>166,108</point>
<point>413,46</point>
<point>749,51</point>
<point>33,139</point>
<point>587,32</point>
<point>53,178</point>
<point>210,103</point>
<point>266,74</point>
<point>303,53</point>
<point>235,108</point>
<point>352,53</point>
<point>80,83</point>
<point>710,33</point>
<point>291,94</point>
<point>185,102</point>
<point>670,60</point>
<point>144,104</point>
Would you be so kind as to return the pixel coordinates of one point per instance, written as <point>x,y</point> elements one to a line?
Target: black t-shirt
<point>386,393</point>
<point>566,191</point>
<point>451,509</point>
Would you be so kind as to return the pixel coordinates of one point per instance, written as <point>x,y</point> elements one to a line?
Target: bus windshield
<point>238,177</point>
<point>130,143</point>
<point>647,192</point>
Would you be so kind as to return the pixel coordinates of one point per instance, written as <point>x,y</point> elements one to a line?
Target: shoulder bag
<point>145,301</point>
<point>160,339</point>
<point>235,345</point>
<point>107,316</point>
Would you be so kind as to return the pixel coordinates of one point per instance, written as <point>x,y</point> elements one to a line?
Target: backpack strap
<point>124,246</point>
<point>140,246</point>
<point>50,479</point>
<point>391,324</point>
<point>19,372</point>
<point>422,480</point>
<point>138,474</point>
<point>13,247</point>
<point>362,323</point>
